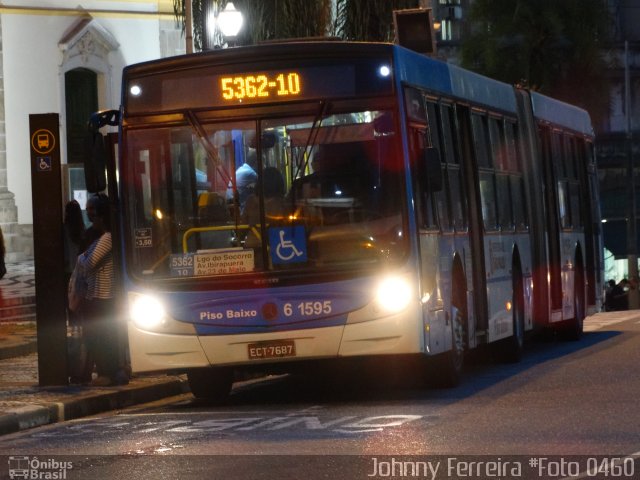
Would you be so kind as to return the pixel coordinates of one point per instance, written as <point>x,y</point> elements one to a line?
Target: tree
<point>264,19</point>
<point>552,46</point>
<point>199,15</point>
<point>368,20</point>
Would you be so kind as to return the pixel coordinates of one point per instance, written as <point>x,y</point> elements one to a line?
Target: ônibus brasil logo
<point>40,469</point>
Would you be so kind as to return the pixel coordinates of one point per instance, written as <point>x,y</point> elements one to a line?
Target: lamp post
<point>632,242</point>
<point>188,19</point>
<point>230,22</point>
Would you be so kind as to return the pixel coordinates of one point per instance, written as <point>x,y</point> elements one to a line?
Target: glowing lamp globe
<point>230,21</point>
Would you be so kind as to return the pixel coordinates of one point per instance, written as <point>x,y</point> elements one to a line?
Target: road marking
<point>319,423</point>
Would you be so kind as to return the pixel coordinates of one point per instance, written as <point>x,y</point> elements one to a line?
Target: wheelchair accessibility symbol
<point>43,164</point>
<point>288,244</point>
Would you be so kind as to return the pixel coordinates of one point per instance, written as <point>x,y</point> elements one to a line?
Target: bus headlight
<point>394,293</point>
<point>146,311</point>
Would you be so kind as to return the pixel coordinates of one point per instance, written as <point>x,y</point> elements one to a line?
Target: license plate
<point>273,349</point>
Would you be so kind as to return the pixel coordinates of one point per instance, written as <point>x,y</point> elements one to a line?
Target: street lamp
<point>230,21</point>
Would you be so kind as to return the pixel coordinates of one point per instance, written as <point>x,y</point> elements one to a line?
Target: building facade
<point>618,137</point>
<point>67,60</point>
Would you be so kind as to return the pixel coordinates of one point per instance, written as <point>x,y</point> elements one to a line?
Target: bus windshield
<point>211,198</point>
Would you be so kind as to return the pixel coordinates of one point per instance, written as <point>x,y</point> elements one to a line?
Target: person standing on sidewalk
<point>74,234</point>
<point>99,324</point>
<point>3,251</point>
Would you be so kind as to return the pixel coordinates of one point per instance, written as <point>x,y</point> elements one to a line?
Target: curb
<point>19,349</point>
<point>29,416</point>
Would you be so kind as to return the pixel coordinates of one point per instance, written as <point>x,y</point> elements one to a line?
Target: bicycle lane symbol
<point>288,244</point>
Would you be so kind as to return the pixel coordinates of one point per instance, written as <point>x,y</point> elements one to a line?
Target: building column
<point>8,209</point>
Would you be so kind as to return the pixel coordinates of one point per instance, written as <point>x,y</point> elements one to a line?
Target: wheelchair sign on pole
<point>288,244</point>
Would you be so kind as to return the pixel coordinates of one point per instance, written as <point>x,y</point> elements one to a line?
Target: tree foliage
<point>263,19</point>
<point>359,20</point>
<point>198,23</point>
<point>552,46</point>
<point>368,20</point>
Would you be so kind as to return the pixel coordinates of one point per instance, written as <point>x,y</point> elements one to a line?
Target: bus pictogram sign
<point>43,141</point>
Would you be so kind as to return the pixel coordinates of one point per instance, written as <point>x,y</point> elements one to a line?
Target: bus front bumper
<point>394,334</point>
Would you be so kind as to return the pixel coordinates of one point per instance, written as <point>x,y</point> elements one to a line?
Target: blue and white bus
<point>284,203</point>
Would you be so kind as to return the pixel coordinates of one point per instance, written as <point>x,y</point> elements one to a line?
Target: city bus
<point>295,203</point>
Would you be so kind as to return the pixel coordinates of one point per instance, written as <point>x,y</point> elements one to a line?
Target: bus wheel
<point>212,384</point>
<point>510,349</point>
<point>574,328</point>
<point>447,371</point>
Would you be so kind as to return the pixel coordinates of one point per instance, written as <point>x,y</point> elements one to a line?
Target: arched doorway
<point>81,100</point>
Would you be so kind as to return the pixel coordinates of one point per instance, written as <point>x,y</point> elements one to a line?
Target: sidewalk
<point>23,403</point>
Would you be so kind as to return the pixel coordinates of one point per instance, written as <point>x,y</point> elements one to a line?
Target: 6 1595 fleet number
<point>308,309</point>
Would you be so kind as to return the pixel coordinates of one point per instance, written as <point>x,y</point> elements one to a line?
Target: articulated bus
<point>285,204</point>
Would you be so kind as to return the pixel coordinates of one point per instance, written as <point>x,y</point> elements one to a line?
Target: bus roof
<point>447,79</point>
<point>560,113</point>
<point>410,67</point>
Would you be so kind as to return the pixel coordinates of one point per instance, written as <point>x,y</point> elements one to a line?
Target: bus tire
<point>510,349</point>
<point>574,328</point>
<point>447,367</point>
<point>211,384</point>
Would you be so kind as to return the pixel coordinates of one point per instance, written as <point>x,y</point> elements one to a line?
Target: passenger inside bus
<point>213,212</point>
<point>246,179</point>
<point>275,209</point>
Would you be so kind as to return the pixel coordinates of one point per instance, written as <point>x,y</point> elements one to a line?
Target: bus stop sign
<point>46,196</point>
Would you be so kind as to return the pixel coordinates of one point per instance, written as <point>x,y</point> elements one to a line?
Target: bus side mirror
<point>431,170</point>
<point>94,163</point>
<point>95,158</point>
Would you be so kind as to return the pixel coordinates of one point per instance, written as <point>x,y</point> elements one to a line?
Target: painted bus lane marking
<point>310,420</point>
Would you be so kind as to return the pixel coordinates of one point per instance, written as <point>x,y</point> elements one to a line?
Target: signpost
<point>46,195</point>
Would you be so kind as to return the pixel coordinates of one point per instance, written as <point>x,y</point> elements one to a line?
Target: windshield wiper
<point>311,139</point>
<point>209,148</point>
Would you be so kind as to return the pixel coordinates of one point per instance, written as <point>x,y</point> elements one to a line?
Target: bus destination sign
<point>282,85</point>
<point>235,85</point>
<point>259,85</point>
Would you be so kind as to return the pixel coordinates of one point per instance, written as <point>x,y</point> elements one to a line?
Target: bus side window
<point>574,187</point>
<point>486,173</point>
<point>458,208</point>
<point>425,205</point>
<point>559,160</point>
<point>516,181</point>
<point>414,104</point>
<point>488,199</point>
<point>441,197</point>
<point>505,204</point>
<point>454,173</point>
<point>480,140</point>
<point>498,144</point>
<point>433,124</point>
<point>448,129</point>
<point>500,161</point>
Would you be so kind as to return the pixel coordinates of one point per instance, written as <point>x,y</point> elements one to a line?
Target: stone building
<point>55,57</point>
